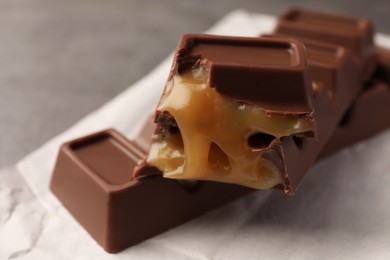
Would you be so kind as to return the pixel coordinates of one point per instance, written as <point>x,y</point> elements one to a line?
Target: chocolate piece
<point>329,111</point>
<point>91,176</point>
<point>324,61</point>
<point>355,34</point>
<point>206,143</point>
<point>366,116</point>
<point>204,133</point>
<point>92,179</point>
<point>239,67</point>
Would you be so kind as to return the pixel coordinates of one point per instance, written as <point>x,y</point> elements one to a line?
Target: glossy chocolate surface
<point>251,70</point>
<point>92,178</point>
<point>355,34</point>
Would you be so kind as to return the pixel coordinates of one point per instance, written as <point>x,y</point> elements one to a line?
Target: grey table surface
<point>60,60</point>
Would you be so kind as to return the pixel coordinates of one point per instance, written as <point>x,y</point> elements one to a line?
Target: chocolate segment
<point>250,70</point>
<point>354,34</point>
<point>328,64</point>
<point>92,179</point>
<point>203,133</point>
<point>368,115</point>
<point>206,143</point>
<point>336,74</point>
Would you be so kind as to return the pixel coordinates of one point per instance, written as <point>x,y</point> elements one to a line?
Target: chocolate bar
<point>223,110</point>
<point>240,127</point>
<point>92,178</point>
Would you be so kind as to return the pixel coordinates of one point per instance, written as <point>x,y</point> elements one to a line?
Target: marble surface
<point>60,60</point>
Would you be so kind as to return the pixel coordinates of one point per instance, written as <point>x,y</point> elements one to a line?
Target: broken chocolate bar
<point>224,114</point>
<point>92,179</point>
<point>227,104</point>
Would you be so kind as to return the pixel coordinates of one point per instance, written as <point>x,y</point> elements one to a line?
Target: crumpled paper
<point>340,212</point>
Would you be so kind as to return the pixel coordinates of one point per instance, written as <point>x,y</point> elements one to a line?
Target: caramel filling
<point>219,139</point>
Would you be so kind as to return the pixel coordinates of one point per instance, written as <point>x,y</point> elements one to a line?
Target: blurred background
<point>60,60</point>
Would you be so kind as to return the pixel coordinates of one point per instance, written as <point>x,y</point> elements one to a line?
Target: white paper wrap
<point>340,212</point>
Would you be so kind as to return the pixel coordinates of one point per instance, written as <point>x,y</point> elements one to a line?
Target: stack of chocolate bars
<point>237,114</point>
